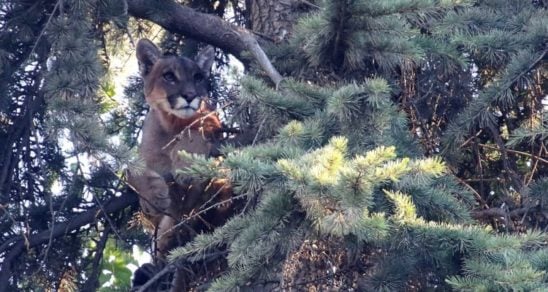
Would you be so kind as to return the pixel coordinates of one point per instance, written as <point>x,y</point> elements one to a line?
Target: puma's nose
<point>189,96</point>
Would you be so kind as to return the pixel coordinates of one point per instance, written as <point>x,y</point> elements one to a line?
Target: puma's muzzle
<point>182,108</point>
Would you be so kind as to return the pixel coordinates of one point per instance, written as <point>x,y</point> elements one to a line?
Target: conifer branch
<point>57,5</point>
<point>113,205</point>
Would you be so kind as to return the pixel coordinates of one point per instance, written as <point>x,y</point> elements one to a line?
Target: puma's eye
<point>169,77</point>
<point>198,77</point>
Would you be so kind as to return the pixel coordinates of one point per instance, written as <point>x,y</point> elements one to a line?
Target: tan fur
<point>164,199</point>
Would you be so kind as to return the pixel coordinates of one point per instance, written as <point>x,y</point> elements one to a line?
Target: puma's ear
<point>205,59</point>
<point>147,54</point>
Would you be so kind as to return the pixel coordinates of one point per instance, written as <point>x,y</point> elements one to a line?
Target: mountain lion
<point>180,118</point>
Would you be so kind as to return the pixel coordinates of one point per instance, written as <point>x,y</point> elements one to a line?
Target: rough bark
<point>273,19</point>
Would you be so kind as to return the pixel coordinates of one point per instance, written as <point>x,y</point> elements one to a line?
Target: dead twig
<point>515,152</point>
<point>194,215</point>
<point>476,194</point>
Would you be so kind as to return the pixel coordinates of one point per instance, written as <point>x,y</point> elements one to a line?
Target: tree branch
<point>113,205</point>
<point>203,27</point>
<point>175,267</point>
<point>93,281</point>
<point>166,270</point>
<point>504,215</point>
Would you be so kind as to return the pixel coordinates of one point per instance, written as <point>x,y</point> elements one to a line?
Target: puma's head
<point>175,85</point>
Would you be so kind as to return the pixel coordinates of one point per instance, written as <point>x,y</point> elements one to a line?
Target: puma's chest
<point>160,145</point>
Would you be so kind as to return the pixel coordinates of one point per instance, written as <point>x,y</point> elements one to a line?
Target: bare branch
<point>176,267</point>
<point>166,270</point>
<point>93,280</point>
<point>201,211</point>
<point>504,215</point>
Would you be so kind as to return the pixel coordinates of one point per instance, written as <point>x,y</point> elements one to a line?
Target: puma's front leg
<point>165,238</point>
<point>153,192</point>
<point>172,233</point>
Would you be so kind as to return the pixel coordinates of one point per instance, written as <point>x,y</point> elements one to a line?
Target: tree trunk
<point>272,19</point>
